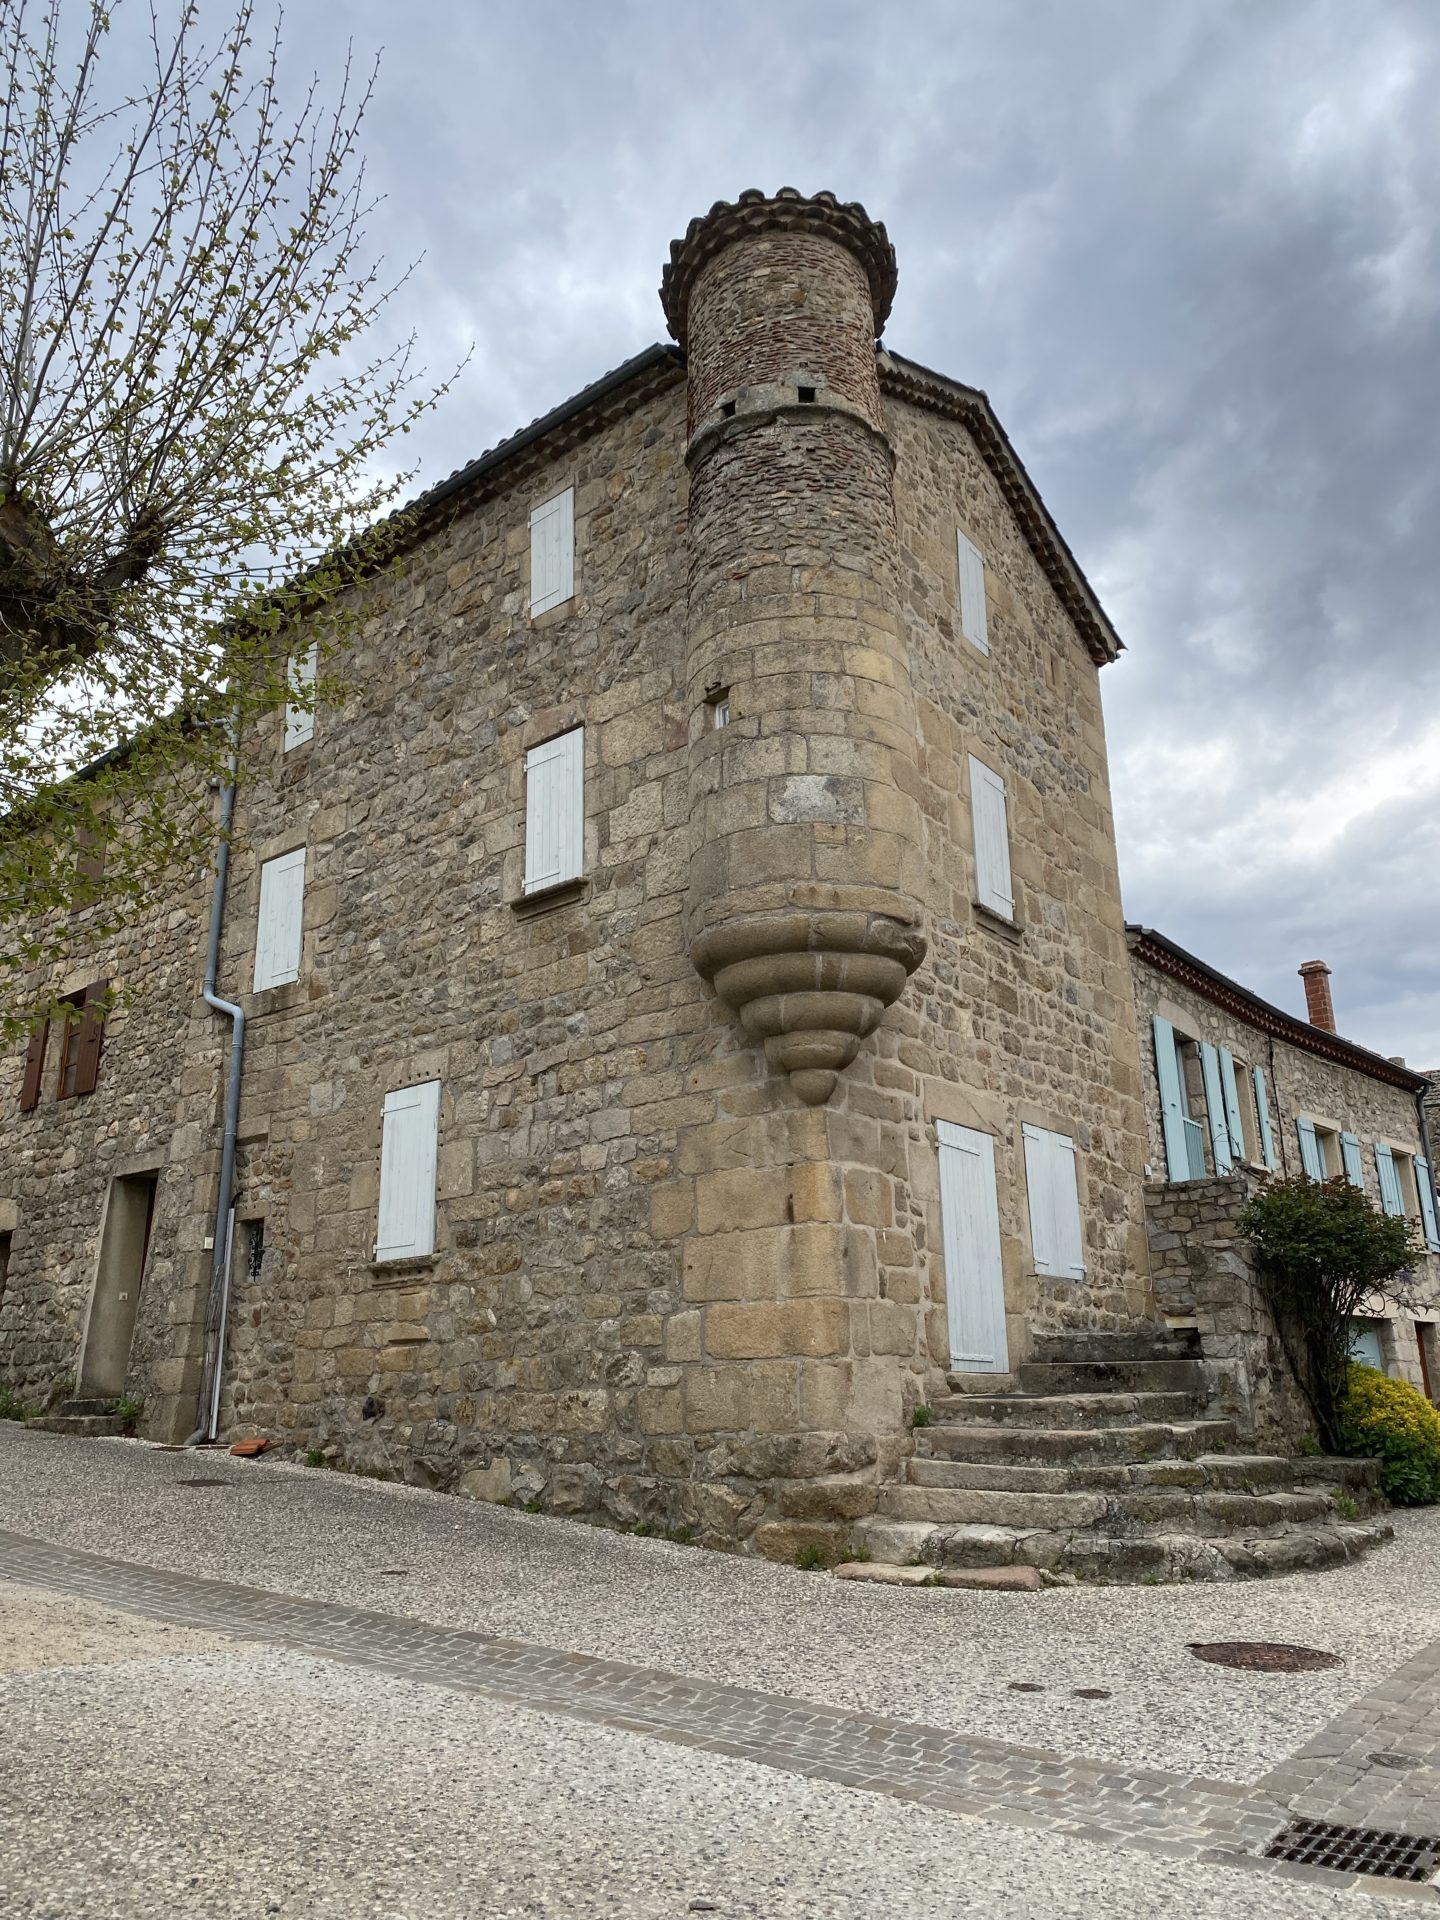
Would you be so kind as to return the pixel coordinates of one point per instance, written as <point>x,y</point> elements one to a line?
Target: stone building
<point>1237,1090</point>
<point>677,996</point>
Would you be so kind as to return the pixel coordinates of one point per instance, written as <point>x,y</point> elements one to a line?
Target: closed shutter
<point>34,1068</point>
<point>555,811</point>
<point>993,886</point>
<point>1172,1100</point>
<point>973,621</point>
<point>552,552</point>
<point>1262,1114</point>
<point>974,1274</point>
<point>280,930</point>
<point>300,713</point>
<point>1391,1198</point>
<point>409,1143</point>
<point>89,860</point>
<point>1232,1104</point>
<point>92,1031</point>
<point>1310,1158</point>
<point>1425,1181</point>
<point>1215,1108</point>
<point>1055,1235</point>
<point>1350,1156</point>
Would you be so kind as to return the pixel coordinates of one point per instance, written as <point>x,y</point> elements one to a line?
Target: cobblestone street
<point>101,1528</point>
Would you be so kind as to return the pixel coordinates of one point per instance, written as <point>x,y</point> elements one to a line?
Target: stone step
<point>79,1409</point>
<point>1209,1512</point>
<point>1232,1472</point>
<point>1066,1410</point>
<point>1142,1343</point>
<point>1111,1376</point>
<point>87,1426</point>
<point>1074,1446</point>
<point>1119,1560</point>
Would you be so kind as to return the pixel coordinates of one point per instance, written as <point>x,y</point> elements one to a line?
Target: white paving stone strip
<point>927,1656</point>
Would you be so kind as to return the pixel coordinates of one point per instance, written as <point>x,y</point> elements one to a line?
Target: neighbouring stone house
<point>1237,1090</point>
<point>678,998</point>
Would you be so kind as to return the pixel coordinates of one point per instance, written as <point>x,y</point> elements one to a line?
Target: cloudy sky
<point>1190,250</point>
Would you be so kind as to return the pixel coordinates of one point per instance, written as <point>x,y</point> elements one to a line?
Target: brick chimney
<point>1319,1007</point>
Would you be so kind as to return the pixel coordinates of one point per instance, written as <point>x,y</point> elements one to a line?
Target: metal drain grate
<point>1263,1656</point>
<point>1389,1856</point>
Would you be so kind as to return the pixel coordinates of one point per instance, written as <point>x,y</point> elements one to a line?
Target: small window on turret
<point>727,407</point>
<point>805,393</point>
<point>720,708</point>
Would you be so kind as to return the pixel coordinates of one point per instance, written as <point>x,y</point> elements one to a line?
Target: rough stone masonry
<point>681,1255</point>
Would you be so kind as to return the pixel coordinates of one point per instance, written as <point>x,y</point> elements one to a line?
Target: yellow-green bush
<point>1389,1418</point>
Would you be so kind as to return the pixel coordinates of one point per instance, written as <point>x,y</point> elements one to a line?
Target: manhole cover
<point>1391,1856</point>
<point>1263,1656</point>
<point>201,1483</point>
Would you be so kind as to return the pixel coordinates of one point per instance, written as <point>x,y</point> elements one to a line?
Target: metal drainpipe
<point>217,1311</point>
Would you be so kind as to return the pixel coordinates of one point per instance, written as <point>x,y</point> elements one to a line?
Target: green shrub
<point>922,1416</point>
<point>12,1407</point>
<point>128,1409</point>
<point>1324,1252</point>
<point>809,1559</point>
<point>1390,1420</point>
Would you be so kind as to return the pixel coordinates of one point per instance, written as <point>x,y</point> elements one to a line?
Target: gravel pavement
<point>942,1657</point>
<point>230,1783</point>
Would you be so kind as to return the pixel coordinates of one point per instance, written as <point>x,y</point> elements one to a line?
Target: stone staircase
<point>90,1419</point>
<point>1097,1461</point>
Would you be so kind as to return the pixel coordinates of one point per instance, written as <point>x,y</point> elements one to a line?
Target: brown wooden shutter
<point>92,1027</point>
<point>34,1068</point>
<point>89,855</point>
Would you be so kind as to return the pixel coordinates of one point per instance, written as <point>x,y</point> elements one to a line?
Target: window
<point>89,865</point>
<point>555,812</point>
<point>1050,1177</point>
<point>254,1249</point>
<point>1176,1060</point>
<point>1367,1343</point>
<point>552,552</point>
<point>279,932</point>
<point>1389,1165</point>
<point>973,622</point>
<point>409,1142</point>
<point>1425,1186</point>
<point>1350,1161</point>
<point>720,709</point>
<point>1262,1115</point>
<point>300,712</point>
<point>993,887</point>
<point>81,1033</point>
<point>1322,1157</point>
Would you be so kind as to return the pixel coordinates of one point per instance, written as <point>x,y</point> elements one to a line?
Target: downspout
<point>217,1310</point>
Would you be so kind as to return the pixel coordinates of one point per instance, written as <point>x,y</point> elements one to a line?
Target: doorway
<point>124,1243</point>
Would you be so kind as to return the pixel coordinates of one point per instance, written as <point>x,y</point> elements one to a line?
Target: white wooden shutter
<point>1425,1181</point>
<point>300,719</point>
<point>1310,1156</point>
<point>280,930</point>
<point>973,622</point>
<point>552,552</point>
<point>1262,1111</point>
<point>1172,1100</point>
<point>1055,1235</point>
<point>555,811</point>
<point>974,1275</point>
<point>993,887</point>
<point>1215,1108</point>
<point>1350,1156</point>
<point>1391,1198</point>
<point>409,1142</point>
<point>1231,1091</point>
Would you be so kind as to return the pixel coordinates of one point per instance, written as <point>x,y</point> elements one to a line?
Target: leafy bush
<point>12,1407</point>
<point>1391,1420</point>
<point>1324,1252</point>
<point>128,1409</point>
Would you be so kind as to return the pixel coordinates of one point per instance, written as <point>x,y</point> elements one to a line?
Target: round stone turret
<point>805,876</point>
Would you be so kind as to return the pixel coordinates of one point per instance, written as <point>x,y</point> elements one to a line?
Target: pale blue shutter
<point>1310,1150</point>
<point>1391,1198</point>
<point>1172,1100</point>
<point>1350,1155</point>
<point>552,552</point>
<point>1425,1181</point>
<point>1232,1104</point>
<point>993,886</point>
<point>300,713</point>
<point>1262,1113</point>
<point>1056,1238</point>
<point>974,1271</point>
<point>1215,1108</point>
<point>974,623</point>
<point>409,1143</point>
<point>555,811</point>
<point>279,932</point>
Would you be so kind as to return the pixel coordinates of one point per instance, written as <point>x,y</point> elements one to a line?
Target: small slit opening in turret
<point>727,408</point>
<point>805,393</point>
